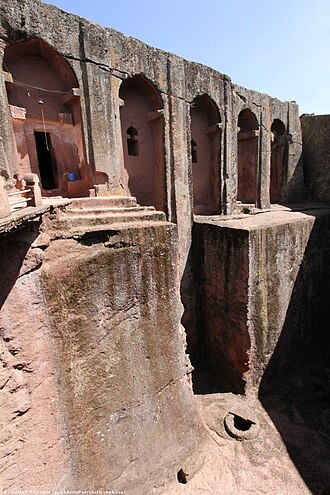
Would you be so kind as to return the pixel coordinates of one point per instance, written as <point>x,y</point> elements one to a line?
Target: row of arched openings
<point>206,156</point>
<point>248,158</point>
<point>144,161</point>
<point>50,139</point>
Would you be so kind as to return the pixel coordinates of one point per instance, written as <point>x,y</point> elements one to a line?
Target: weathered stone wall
<point>293,319</point>
<point>316,132</point>
<point>95,379</point>
<point>222,260</point>
<point>34,437</point>
<point>102,58</point>
<point>263,293</point>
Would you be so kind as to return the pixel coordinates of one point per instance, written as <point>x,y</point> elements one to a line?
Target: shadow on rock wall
<point>191,311</point>
<point>295,188</point>
<point>203,377</point>
<point>295,388</point>
<point>14,261</point>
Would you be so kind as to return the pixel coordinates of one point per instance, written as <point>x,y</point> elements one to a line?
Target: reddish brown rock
<point>95,379</point>
<point>95,382</point>
<point>259,278</point>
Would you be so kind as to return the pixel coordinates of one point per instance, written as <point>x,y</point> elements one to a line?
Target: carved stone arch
<point>278,162</point>
<point>43,96</point>
<point>205,155</point>
<point>247,156</point>
<point>142,110</point>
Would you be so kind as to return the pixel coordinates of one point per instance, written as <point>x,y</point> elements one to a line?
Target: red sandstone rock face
<point>85,55</point>
<point>95,380</point>
<point>222,257</point>
<point>259,278</point>
<point>122,79</point>
<point>315,130</point>
<point>33,448</point>
<point>124,380</point>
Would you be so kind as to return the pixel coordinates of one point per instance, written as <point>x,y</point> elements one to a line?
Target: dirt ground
<point>289,456</point>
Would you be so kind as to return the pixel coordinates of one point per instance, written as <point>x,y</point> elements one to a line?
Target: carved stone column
<point>8,154</point>
<point>263,200</point>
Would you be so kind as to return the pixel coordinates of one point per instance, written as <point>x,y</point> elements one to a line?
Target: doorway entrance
<point>45,160</point>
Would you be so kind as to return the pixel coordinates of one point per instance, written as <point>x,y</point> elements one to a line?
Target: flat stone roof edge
<point>263,220</point>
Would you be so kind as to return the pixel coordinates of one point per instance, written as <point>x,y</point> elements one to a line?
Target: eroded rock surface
<point>95,381</point>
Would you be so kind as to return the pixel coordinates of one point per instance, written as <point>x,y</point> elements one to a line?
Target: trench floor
<point>290,455</point>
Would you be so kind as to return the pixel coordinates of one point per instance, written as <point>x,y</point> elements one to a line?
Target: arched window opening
<point>44,103</point>
<point>278,128</point>
<point>132,141</point>
<point>193,151</point>
<point>205,157</point>
<point>247,156</point>
<point>278,160</point>
<point>142,127</point>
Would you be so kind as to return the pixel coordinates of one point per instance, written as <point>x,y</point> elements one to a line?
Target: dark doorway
<point>45,160</point>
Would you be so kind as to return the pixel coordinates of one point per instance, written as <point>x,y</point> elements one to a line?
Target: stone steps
<point>81,231</point>
<point>103,202</point>
<point>104,211</point>
<point>89,219</point>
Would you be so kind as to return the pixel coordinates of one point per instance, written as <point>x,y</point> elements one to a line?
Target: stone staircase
<point>102,213</point>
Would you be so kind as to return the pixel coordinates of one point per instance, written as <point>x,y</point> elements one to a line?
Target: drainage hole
<point>182,477</point>
<point>242,424</point>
